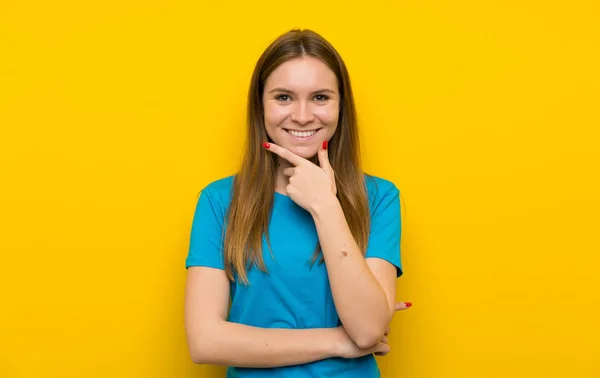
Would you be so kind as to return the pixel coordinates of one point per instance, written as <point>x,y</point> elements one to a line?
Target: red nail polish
<point>266,145</point>
<point>407,304</point>
<point>324,144</point>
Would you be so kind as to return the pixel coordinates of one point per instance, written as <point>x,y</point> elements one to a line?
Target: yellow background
<point>115,114</point>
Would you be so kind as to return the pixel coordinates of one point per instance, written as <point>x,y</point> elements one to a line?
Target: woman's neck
<point>281,180</point>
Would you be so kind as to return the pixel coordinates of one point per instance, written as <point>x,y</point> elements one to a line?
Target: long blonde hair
<point>254,184</point>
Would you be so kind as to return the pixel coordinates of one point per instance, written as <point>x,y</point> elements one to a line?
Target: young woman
<point>293,261</point>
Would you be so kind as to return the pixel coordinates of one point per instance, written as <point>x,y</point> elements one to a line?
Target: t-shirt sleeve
<point>206,241</point>
<point>384,238</point>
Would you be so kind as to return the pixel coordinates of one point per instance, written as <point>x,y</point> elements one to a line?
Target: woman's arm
<point>213,340</point>
<point>364,290</point>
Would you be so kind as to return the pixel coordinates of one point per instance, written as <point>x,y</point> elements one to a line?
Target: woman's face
<point>301,102</point>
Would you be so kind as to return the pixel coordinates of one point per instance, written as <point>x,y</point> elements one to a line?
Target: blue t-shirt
<point>294,293</point>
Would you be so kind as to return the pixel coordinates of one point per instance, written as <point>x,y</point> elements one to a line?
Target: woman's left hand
<point>399,307</point>
<point>310,185</point>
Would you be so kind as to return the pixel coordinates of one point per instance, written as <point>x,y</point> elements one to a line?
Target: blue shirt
<point>294,293</point>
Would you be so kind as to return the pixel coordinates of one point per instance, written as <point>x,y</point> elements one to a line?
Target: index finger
<point>285,154</point>
<point>402,306</point>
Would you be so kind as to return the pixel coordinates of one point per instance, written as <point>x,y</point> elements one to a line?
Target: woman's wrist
<point>335,341</point>
<point>324,205</point>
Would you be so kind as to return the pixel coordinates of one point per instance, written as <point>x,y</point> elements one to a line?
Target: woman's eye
<point>282,97</point>
<point>321,98</point>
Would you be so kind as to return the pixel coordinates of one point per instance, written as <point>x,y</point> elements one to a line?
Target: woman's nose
<point>302,114</point>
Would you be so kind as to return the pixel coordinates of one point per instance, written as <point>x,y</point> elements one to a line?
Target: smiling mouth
<point>302,134</point>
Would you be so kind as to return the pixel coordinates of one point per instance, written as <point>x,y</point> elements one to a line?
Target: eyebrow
<point>283,90</point>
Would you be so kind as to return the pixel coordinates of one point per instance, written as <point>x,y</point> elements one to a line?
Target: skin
<point>301,94</point>
<point>303,105</point>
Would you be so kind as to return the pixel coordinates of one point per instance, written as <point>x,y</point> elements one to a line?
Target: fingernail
<point>266,145</point>
<point>407,304</point>
<point>324,144</point>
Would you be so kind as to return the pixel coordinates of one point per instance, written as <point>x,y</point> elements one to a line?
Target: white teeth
<point>303,134</point>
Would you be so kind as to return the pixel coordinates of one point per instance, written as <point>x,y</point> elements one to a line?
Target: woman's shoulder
<point>379,186</point>
<point>220,189</point>
<point>224,184</point>
<point>382,192</point>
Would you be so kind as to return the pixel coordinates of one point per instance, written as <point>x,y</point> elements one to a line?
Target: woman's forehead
<point>302,74</point>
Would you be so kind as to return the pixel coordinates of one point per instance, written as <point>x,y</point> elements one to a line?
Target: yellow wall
<point>114,114</point>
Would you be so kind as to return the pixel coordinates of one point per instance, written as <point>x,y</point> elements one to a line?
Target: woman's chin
<point>306,152</point>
